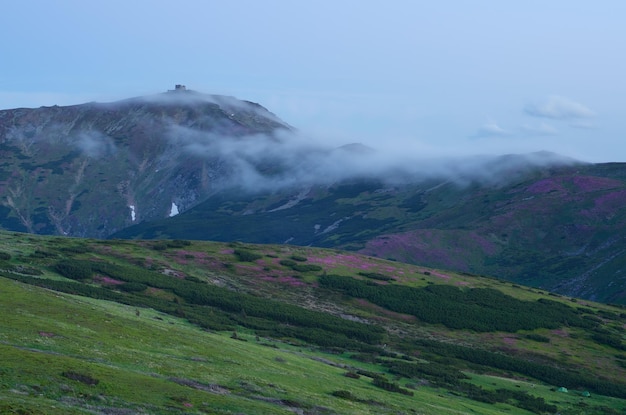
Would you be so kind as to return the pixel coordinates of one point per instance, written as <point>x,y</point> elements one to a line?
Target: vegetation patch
<point>480,309</point>
<point>80,377</point>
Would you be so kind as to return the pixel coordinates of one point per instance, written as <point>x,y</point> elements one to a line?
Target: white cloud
<point>559,108</point>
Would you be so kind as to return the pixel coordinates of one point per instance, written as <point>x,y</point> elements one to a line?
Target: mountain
<point>96,168</point>
<point>558,226</point>
<point>186,165</point>
<point>188,327</point>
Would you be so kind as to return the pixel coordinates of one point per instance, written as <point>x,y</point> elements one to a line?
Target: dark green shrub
<point>42,254</point>
<point>538,338</point>
<point>376,276</point>
<point>298,258</point>
<point>391,386</point>
<point>5,256</point>
<point>287,263</point>
<point>343,394</point>
<point>74,270</point>
<point>77,249</point>
<point>246,256</point>
<point>80,377</point>
<point>609,339</point>
<point>132,287</point>
<point>177,243</point>
<point>306,268</point>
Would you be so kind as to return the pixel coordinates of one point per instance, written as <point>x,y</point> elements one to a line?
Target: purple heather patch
<point>606,205</point>
<point>294,282</point>
<point>201,258</point>
<point>356,262</point>
<point>432,246</point>
<point>440,275</point>
<point>546,186</point>
<point>511,341</point>
<point>249,267</point>
<point>107,280</point>
<point>592,183</point>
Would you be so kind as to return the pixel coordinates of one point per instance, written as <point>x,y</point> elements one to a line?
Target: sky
<point>425,78</point>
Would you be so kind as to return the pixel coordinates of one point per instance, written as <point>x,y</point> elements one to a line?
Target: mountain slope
<point>128,169</point>
<point>287,330</point>
<point>561,228</point>
<point>93,169</point>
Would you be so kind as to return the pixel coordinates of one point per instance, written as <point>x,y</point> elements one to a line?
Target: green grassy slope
<point>283,329</point>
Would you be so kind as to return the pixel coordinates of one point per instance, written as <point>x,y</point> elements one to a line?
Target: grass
<point>135,357</point>
<point>143,360</point>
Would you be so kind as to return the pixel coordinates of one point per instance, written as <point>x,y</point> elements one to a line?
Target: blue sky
<point>421,77</point>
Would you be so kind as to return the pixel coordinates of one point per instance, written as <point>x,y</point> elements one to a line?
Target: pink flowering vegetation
<point>509,340</point>
<point>455,249</point>
<point>560,332</point>
<point>291,281</point>
<point>607,205</point>
<point>104,280</point>
<point>358,264</point>
<point>204,259</point>
<point>593,183</point>
<point>549,185</point>
<point>562,185</point>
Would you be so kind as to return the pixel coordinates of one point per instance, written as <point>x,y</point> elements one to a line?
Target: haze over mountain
<point>235,171</point>
<point>150,157</point>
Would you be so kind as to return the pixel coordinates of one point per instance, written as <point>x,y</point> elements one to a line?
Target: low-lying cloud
<point>287,159</point>
<point>95,144</point>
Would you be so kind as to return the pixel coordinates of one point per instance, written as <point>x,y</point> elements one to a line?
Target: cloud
<point>290,159</point>
<point>491,129</point>
<point>95,144</point>
<point>559,108</point>
<point>542,129</point>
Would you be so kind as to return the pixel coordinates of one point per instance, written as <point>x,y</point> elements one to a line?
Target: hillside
<point>560,227</point>
<point>186,165</point>
<point>96,168</point>
<point>96,326</point>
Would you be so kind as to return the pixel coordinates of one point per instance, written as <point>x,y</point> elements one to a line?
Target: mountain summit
<point>95,168</point>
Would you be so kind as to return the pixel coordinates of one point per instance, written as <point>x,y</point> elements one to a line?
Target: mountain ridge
<point>138,153</point>
<point>188,165</point>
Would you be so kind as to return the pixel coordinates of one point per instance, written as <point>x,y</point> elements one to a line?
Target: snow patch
<point>334,226</point>
<point>132,212</point>
<point>174,210</point>
<point>291,203</point>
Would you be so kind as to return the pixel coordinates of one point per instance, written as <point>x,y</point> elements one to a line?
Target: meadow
<point>166,327</point>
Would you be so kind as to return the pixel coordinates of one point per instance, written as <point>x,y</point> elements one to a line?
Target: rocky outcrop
<point>92,169</point>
